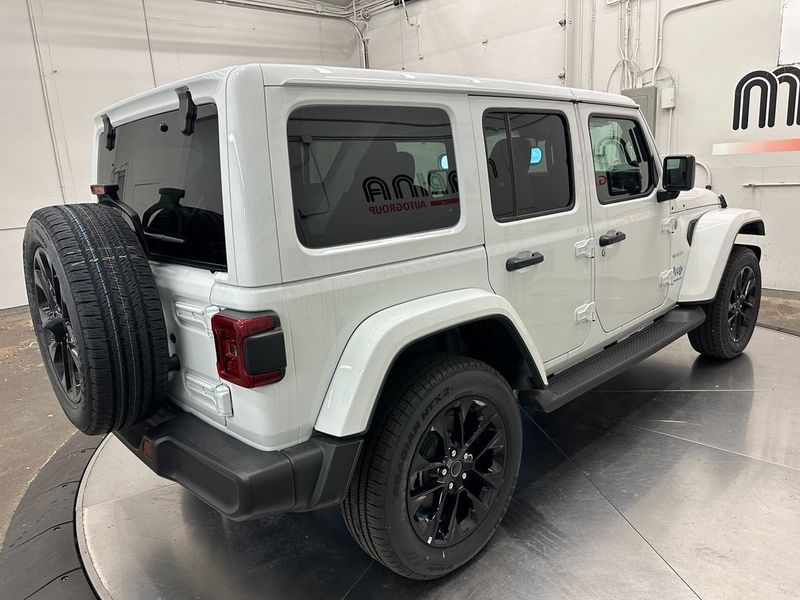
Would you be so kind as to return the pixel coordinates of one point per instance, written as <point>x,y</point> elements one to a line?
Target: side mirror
<point>678,176</point>
<point>679,173</point>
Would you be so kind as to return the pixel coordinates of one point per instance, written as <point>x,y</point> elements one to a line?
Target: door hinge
<point>668,277</point>
<point>585,312</point>
<point>669,225</point>
<point>585,248</point>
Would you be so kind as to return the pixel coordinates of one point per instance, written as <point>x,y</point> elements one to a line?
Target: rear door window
<point>529,163</point>
<point>173,182</point>
<point>362,173</point>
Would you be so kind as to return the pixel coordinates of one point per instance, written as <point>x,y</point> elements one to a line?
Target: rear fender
<point>372,349</point>
<point>712,240</point>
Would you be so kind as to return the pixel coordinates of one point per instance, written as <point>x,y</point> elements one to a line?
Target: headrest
<point>406,164</point>
<point>379,160</point>
<point>521,152</point>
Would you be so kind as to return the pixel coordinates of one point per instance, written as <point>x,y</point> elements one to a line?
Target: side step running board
<point>590,373</point>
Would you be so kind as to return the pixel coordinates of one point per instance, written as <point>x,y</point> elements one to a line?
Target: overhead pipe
<point>567,66</point>
<point>592,34</point>
<point>658,53</point>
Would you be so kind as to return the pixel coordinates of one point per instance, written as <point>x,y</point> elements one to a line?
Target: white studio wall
<point>709,50</point>
<point>503,39</point>
<point>63,60</point>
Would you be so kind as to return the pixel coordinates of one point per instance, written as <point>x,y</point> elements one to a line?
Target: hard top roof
<point>286,75</point>
<point>278,75</point>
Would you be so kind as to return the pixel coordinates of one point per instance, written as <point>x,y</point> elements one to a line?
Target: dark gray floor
<point>678,479</point>
<point>40,559</point>
<point>32,426</point>
<point>780,310</point>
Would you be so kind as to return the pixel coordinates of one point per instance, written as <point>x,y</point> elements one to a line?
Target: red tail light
<point>250,349</point>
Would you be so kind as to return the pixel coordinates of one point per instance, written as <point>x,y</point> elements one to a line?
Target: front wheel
<point>731,317</point>
<point>438,469</point>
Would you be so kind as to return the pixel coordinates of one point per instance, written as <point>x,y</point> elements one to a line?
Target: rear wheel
<point>439,467</point>
<point>731,317</point>
<point>97,315</point>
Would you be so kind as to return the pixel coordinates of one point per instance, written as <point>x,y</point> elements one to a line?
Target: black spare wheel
<point>439,468</point>
<point>97,315</point>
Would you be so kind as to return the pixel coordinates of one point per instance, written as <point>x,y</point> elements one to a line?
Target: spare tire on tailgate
<point>97,315</point>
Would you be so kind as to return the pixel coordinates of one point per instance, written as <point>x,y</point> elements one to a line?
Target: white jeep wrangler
<point>307,286</point>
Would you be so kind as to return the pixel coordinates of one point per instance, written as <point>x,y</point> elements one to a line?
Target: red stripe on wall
<point>790,145</point>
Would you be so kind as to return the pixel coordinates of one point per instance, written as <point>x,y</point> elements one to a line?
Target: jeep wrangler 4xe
<point>308,286</point>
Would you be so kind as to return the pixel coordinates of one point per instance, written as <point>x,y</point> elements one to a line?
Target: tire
<point>96,314</point>
<point>407,428</point>
<point>716,337</point>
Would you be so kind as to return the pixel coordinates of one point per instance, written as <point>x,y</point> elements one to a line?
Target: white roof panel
<point>277,75</point>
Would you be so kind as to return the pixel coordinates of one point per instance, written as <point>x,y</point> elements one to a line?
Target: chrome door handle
<point>516,263</point>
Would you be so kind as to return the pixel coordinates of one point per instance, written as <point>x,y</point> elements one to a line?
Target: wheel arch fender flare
<point>376,343</point>
<point>713,238</point>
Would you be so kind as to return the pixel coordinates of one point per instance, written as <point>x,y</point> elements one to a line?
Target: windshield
<point>173,182</point>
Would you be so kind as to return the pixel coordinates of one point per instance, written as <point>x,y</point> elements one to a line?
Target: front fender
<point>712,241</point>
<point>379,339</point>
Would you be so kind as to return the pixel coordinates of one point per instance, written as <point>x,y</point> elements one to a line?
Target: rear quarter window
<point>362,173</point>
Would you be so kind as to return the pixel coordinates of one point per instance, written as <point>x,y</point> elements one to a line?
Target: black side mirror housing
<point>679,172</point>
<point>678,176</point>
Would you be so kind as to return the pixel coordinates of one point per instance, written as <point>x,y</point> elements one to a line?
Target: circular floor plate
<point>679,477</point>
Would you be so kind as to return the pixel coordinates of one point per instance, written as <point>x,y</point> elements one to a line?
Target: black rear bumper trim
<point>239,480</point>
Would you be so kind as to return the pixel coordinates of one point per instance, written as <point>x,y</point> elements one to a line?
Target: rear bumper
<point>238,480</point>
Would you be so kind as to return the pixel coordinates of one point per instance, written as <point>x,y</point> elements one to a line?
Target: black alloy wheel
<point>97,315</point>
<point>732,315</point>
<point>742,304</point>
<point>54,318</point>
<point>456,472</point>
<point>438,467</point>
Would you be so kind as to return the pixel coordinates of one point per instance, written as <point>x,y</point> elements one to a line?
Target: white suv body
<point>308,286</point>
<point>348,310</point>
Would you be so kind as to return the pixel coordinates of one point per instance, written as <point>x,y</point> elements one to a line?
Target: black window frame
<point>653,171</point>
<point>570,161</point>
<point>355,105</point>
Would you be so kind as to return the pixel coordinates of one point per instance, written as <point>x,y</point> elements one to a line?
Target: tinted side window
<point>623,165</point>
<point>362,173</point>
<point>530,169</point>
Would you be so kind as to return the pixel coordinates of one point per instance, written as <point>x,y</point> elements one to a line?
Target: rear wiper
<point>188,109</point>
